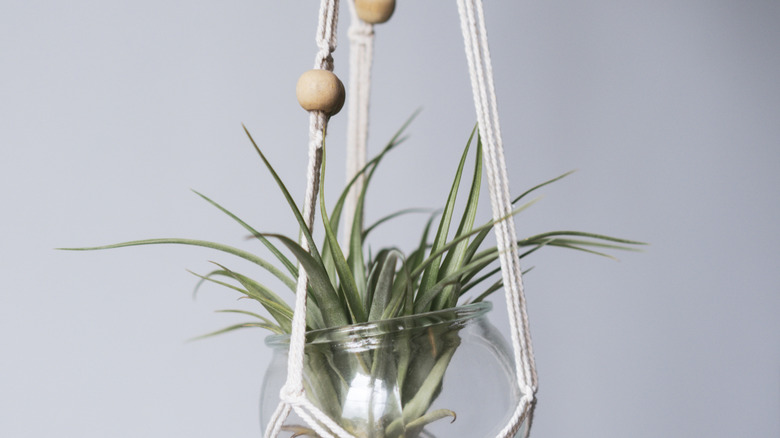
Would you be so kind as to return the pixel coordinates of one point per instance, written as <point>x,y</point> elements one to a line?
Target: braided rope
<point>481,75</point>
<point>361,53</point>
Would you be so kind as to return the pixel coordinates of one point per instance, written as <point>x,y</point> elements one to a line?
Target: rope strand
<point>361,48</point>
<point>480,72</point>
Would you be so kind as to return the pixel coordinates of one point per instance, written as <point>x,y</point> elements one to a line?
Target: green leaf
<point>336,214</point>
<point>313,317</point>
<point>476,243</point>
<point>202,243</point>
<point>394,141</point>
<point>496,286</point>
<point>435,255</point>
<point>418,255</point>
<point>384,285</point>
<point>392,216</point>
<point>422,399</point>
<point>270,327</point>
<point>355,259</point>
<point>538,186</point>
<point>291,268</point>
<point>424,298</point>
<point>432,270</point>
<point>329,302</point>
<point>208,277</point>
<point>417,425</point>
<point>402,293</point>
<point>561,243</point>
<point>244,312</point>
<point>374,267</point>
<point>296,212</point>
<point>582,234</point>
<point>346,276</point>
<point>456,256</point>
<point>278,309</point>
<point>475,282</point>
<point>300,431</point>
<point>594,244</point>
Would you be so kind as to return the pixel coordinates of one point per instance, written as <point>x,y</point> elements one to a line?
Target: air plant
<point>349,284</point>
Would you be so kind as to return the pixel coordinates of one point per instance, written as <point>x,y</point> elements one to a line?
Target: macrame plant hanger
<point>361,33</point>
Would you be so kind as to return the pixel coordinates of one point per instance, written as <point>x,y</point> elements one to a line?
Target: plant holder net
<point>293,396</point>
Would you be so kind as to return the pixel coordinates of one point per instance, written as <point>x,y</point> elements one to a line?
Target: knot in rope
<point>326,38</point>
<point>324,59</point>
<point>361,33</point>
<point>326,44</point>
<point>528,392</point>
<point>292,396</point>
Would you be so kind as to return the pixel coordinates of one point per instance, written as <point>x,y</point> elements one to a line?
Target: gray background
<point>110,111</point>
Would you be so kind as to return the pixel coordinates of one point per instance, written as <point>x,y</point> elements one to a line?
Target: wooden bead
<point>374,11</point>
<point>320,90</point>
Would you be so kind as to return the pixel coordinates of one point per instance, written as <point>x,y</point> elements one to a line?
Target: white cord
<point>481,74</point>
<point>361,53</point>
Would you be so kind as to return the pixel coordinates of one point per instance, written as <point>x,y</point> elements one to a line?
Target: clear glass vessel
<point>440,374</point>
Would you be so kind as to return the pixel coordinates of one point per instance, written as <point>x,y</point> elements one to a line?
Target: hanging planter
<point>395,345</point>
<point>386,343</point>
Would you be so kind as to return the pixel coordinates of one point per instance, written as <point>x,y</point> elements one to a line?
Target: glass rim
<point>450,315</point>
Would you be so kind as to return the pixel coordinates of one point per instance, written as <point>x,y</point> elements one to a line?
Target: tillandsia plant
<point>349,284</point>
